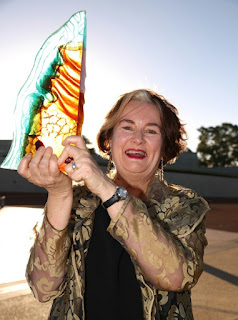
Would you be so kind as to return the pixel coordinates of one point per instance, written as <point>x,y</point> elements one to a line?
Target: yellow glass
<point>50,104</point>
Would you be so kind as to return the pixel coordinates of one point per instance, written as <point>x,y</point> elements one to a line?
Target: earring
<point>109,164</point>
<point>161,170</point>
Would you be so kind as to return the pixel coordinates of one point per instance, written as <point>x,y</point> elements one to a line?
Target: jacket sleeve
<point>165,239</point>
<point>47,263</point>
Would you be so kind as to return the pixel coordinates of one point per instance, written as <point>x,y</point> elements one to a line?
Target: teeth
<point>132,152</point>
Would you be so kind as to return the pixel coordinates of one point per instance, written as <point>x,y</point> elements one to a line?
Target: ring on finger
<point>74,166</point>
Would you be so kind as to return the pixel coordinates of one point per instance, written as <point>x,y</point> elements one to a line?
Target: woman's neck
<point>136,188</point>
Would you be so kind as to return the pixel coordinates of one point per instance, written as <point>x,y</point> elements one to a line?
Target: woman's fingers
<point>78,141</point>
<point>44,161</point>
<point>37,158</point>
<point>23,168</point>
<point>73,152</point>
<point>53,166</point>
<point>82,166</point>
<point>42,170</point>
<point>39,168</point>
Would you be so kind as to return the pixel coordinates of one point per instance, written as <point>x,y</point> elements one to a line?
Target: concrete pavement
<point>215,297</point>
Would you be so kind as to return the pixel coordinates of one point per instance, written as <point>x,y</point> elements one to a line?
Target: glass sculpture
<point>49,106</point>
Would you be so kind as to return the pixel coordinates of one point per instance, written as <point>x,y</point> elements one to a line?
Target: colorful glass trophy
<point>49,106</point>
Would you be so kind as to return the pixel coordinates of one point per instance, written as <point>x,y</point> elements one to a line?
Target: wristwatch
<point>120,194</point>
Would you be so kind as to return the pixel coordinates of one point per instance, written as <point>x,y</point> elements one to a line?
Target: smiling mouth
<point>139,154</point>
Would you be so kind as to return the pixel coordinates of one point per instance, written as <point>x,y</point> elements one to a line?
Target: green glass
<point>49,106</point>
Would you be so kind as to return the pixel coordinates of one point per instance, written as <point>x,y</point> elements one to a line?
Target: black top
<point>112,290</point>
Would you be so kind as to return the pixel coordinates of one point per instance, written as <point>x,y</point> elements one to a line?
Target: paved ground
<point>215,297</point>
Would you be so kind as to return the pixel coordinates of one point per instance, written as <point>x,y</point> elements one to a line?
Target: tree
<point>218,146</point>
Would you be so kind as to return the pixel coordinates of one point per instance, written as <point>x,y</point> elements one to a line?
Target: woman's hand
<point>42,170</point>
<point>87,169</point>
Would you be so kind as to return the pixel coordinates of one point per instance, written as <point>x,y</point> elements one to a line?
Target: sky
<point>185,50</point>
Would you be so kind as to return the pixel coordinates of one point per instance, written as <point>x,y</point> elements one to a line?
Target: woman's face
<point>136,142</point>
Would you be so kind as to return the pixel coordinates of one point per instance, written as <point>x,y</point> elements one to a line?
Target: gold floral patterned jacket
<point>55,270</point>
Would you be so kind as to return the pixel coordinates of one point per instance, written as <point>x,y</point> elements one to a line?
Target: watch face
<point>122,193</point>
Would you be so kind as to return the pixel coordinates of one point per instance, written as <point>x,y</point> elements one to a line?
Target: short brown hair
<point>173,132</point>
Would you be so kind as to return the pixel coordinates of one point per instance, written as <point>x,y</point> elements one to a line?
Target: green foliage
<point>218,146</point>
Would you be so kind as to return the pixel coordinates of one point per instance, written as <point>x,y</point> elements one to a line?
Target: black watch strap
<point>120,194</point>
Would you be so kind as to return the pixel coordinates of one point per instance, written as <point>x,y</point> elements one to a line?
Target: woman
<point>128,246</point>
